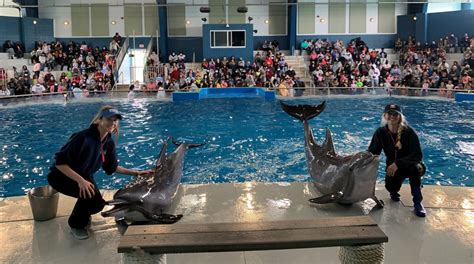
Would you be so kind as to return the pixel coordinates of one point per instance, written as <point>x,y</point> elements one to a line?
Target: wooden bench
<point>247,236</point>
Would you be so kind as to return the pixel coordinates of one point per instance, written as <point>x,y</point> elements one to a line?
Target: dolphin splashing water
<point>147,197</point>
<point>345,180</point>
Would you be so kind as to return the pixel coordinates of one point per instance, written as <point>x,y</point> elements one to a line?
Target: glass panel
<point>238,38</point>
<point>220,38</point>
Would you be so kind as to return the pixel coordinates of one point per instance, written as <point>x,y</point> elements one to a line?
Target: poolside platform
<point>446,235</point>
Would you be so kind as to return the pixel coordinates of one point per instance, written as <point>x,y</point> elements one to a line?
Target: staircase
<point>301,69</point>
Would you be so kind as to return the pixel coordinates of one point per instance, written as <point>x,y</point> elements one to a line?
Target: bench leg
<point>373,254</point>
<point>142,257</point>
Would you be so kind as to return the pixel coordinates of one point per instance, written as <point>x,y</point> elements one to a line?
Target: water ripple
<point>247,139</point>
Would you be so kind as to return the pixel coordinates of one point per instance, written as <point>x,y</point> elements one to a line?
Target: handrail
<point>150,48</point>
<point>324,91</point>
<point>120,56</point>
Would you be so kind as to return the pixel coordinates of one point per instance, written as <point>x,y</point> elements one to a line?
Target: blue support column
<point>292,25</point>
<point>163,39</point>
<point>421,27</point>
<point>467,6</point>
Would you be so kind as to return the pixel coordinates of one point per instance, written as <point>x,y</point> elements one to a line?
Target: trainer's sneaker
<point>79,233</point>
<point>395,197</point>
<point>89,223</point>
<point>419,210</point>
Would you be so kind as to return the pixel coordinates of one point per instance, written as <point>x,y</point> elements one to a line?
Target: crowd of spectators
<point>82,66</point>
<point>334,64</point>
<point>266,70</point>
<point>14,49</point>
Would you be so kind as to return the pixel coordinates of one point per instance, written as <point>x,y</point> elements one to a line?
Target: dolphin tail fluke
<point>328,198</point>
<point>303,112</point>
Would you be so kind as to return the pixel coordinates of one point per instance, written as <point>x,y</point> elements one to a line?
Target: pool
<point>248,139</point>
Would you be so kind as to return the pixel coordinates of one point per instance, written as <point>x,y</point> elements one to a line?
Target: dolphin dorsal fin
<point>162,156</point>
<point>328,144</point>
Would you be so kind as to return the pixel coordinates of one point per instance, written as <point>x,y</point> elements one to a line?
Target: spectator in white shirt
<point>38,88</point>
<point>374,73</point>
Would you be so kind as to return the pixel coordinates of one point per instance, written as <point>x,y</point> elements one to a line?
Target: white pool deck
<point>446,235</point>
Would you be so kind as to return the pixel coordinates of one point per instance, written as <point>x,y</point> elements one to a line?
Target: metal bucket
<point>44,202</point>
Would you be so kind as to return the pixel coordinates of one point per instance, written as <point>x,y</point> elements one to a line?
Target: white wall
<point>59,11</point>
<point>6,10</point>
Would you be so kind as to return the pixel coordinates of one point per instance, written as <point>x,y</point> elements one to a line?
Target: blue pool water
<point>248,139</point>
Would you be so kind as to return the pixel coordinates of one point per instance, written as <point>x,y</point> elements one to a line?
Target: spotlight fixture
<point>266,21</point>
<point>250,19</point>
<point>35,22</point>
<point>188,22</point>
<point>205,9</point>
<point>226,25</point>
<point>113,22</point>
<point>242,9</point>
<point>414,18</point>
<point>66,23</point>
<point>204,19</point>
<point>255,31</point>
<point>371,19</point>
<point>322,20</point>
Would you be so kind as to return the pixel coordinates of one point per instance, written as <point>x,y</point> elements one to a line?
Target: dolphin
<point>344,180</point>
<point>145,199</point>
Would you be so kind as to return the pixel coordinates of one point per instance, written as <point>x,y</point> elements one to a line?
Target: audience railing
<point>294,92</point>
<point>152,72</point>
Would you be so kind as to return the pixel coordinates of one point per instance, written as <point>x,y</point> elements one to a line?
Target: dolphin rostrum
<point>147,197</point>
<point>345,180</point>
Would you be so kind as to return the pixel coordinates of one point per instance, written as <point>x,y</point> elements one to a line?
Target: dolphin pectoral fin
<point>159,219</point>
<point>380,203</point>
<point>167,218</point>
<point>328,198</point>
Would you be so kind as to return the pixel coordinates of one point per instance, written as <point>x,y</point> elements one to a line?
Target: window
<point>227,38</point>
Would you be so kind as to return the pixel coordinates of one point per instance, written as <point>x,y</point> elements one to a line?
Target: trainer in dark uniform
<point>403,153</point>
<point>76,162</point>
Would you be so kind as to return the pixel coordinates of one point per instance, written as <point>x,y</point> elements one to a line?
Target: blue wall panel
<point>373,41</point>
<point>187,45</point>
<point>100,42</point>
<point>406,26</point>
<point>444,24</point>
<point>282,40</point>
<point>10,28</point>
<point>43,30</point>
<point>245,53</point>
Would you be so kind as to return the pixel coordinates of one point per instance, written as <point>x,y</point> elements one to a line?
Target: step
<point>3,56</point>
<point>10,63</point>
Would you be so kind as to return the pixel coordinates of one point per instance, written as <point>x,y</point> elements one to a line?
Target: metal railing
<point>120,56</point>
<point>293,92</point>
<point>152,72</point>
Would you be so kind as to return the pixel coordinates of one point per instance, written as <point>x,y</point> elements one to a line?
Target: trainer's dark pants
<point>84,208</point>
<point>394,183</point>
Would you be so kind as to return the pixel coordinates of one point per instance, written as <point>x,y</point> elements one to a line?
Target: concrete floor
<point>446,235</point>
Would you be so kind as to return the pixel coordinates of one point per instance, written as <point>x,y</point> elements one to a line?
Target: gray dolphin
<point>146,198</point>
<point>345,180</point>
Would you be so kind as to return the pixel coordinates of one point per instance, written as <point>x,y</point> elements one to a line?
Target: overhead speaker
<point>205,9</point>
<point>242,9</point>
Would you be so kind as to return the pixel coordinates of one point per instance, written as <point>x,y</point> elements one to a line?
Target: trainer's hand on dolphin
<point>392,169</point>
<point>86,189</point>
<point>145,173</point>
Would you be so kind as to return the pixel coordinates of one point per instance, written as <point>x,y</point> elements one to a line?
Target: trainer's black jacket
<point>409,154</point>
<point>83,153</point>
